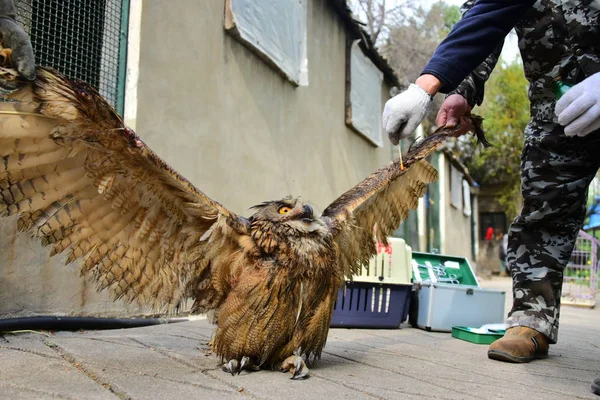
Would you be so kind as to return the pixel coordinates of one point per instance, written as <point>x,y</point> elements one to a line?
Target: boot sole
<point>507,357</point>
<point>596,388</point>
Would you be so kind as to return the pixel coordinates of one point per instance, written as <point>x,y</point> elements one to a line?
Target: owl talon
<point>243,363</point>
<point>233,366</point>
<point>295,364</point>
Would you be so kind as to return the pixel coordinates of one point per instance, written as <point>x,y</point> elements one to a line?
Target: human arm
<point>477,35</point>
<point>470,91</point>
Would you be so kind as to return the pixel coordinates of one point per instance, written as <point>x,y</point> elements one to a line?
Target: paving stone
<point>172,362</point>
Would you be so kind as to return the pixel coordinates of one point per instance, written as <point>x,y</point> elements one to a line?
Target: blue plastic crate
<point>371,305</point>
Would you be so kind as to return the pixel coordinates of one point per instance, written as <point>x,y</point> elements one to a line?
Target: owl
<point>85,184</point>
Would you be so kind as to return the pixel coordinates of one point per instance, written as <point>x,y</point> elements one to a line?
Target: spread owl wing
<point>374,208</point>
<point>83,183</point>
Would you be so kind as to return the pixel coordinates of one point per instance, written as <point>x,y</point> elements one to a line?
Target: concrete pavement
<point>172,362</point>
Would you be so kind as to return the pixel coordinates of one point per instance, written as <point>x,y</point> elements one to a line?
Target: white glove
<point>404,112</point>
<point>579,109</point>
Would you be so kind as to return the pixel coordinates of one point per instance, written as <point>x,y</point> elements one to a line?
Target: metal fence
<point>580,279</point>
<point>83,39</point>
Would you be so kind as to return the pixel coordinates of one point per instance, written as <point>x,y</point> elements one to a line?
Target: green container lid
<point>474,335</point>
<point>455,266</point>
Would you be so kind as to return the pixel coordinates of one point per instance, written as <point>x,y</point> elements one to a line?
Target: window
<point>275,30</point>
<point>363,95</point>
<point>456,188</point>
<point>83,39</point>
<point>466,198</point>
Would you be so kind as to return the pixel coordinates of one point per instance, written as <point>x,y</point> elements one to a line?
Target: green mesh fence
<point>80,38</point>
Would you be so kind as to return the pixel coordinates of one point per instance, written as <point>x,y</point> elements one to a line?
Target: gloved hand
<point>15,38</point>
<point>404,112</point>
<point>579,109</point>
<point>453,112</point>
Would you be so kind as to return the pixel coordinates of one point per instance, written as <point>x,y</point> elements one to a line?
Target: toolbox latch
<point>470,292</point>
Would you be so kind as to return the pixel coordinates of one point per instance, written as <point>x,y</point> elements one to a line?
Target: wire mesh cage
<point>83,39</point>
<point>580,279</point>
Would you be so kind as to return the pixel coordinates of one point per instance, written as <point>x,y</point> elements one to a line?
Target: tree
<point>379,16</point>
<point>407,37</point>
<point>375,13</point>
<point>415,36</point>
<point>412,41</point>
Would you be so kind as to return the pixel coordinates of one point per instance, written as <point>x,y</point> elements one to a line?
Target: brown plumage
<point>85,184</point>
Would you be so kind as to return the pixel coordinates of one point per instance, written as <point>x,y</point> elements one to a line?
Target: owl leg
<point>295,364</point>
<point>233,365</point>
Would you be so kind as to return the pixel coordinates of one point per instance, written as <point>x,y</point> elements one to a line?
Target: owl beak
<point>308,214</point>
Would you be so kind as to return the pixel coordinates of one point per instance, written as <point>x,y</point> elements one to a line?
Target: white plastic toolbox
<point>448,294</point>
<point>443,305</point>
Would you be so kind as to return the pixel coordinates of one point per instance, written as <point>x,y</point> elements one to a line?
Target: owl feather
<point>86,185</point>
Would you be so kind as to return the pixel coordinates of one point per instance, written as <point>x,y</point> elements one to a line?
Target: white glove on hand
<point>403,113</point>
<point>579,109</point>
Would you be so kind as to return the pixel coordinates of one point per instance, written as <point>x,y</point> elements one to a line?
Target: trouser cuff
<point>519,319</point>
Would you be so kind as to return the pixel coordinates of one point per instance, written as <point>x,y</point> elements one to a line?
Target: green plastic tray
<point>464,333</point>
<point>464,273</point>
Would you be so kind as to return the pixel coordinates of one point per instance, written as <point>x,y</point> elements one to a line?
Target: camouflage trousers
<point>556,171</point>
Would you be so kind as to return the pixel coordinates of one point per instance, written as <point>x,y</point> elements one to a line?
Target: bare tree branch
<point>380,18</point>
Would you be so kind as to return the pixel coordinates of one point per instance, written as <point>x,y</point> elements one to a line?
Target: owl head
<point>292,215</point>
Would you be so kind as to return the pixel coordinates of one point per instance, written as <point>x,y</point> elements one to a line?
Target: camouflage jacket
<point>555,38</point>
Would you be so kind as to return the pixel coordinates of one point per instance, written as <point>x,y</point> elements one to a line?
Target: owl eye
<point>284,210</point>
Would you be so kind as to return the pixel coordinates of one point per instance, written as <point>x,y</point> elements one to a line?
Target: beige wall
<point>227,122</point>
<point>31,283</point>
<point>457,226</point>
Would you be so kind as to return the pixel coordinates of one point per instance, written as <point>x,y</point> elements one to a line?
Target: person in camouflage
<point>556,169</point>
<point>557,40</point>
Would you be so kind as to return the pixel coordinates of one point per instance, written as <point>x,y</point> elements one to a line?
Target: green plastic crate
<point>458,266</point>
<point>467,333</point>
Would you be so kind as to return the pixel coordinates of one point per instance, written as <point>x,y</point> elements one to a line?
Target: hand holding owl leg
<point>295,364</point>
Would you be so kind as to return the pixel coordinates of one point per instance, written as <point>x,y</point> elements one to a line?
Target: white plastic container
<point>453,298</point>
<point>442,306</point>
<point>392,264</point>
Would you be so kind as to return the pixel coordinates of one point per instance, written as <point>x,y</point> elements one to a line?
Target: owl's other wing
<point>374,208</point>
<point>84,183</point>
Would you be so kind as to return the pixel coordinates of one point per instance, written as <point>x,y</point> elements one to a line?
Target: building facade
<point>248,105</point>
